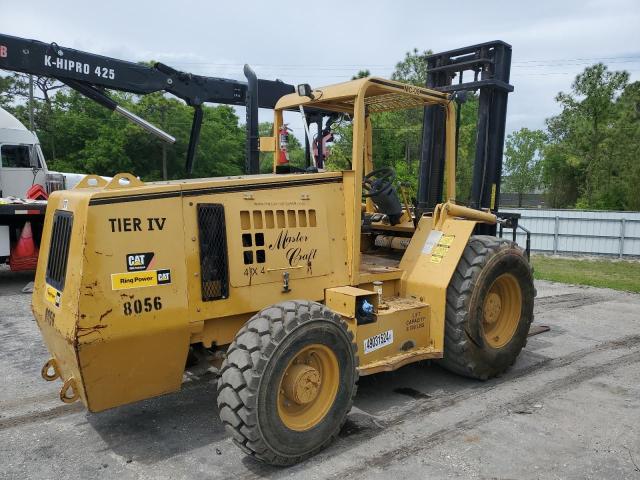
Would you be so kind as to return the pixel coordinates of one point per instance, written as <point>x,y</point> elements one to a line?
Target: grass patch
<point>619,275</point>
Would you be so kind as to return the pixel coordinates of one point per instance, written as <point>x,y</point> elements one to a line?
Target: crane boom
<point>89,74</point>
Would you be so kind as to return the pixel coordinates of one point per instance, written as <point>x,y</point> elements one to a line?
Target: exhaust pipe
<point>252,158</point>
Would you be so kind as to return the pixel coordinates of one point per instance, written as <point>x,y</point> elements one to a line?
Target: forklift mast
<point>90,74</point>
<point>490,65</point>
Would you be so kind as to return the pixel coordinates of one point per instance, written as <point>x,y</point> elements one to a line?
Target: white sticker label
<point>378,341</point>
<point>432,240</point>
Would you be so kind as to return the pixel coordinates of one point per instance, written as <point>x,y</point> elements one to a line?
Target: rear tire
<point>489,308</point>
<point>288,382</point>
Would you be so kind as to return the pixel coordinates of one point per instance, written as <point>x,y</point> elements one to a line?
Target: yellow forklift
<point>301,281</point>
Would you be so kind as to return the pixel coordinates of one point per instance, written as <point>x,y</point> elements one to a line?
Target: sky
<point>328,42</point>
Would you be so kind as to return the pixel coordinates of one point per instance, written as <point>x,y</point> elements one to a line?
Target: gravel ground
<point>570,408</point>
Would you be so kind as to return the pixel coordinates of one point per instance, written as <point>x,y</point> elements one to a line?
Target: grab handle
<point>124,180</point>
<point>90,181</point>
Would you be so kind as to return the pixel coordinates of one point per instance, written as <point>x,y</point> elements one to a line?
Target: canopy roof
<point>381,95</point>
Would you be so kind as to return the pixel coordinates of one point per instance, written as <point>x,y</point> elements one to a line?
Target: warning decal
<point>442,248</point>
<point>53,295</point>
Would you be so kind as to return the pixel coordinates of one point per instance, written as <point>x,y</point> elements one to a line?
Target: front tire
<point>489,308</point>
<point>288,382</point>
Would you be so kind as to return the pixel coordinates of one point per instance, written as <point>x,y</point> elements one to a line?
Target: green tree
<point>522,161</point>
<point>361,74</point>
<point>561,176</point>
<point>412,69</point>
<point>582,135</point>
<point>624,145</point>
<point>81,136</point>
<point>12,88</point>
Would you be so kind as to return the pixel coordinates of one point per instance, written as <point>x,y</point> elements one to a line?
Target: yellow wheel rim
<point>308,387</point>
<point>501,311</point>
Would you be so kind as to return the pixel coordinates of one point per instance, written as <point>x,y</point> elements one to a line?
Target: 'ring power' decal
<point>147,278</point>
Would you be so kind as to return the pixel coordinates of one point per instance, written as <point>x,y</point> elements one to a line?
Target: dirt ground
<point>570,408</point>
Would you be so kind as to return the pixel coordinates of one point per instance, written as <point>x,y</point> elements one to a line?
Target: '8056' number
<point>140,305</point>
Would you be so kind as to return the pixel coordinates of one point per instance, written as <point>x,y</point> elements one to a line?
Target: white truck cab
<point>22,163</point>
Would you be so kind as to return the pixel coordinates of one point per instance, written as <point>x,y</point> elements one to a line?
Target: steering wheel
<point>377,181</point>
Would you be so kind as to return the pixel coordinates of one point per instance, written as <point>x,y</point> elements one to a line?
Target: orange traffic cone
<point>24,254</point>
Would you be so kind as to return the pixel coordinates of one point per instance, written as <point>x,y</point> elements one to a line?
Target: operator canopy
<point>381,95</point>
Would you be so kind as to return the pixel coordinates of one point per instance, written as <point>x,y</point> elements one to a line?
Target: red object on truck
<point>37,192</point>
